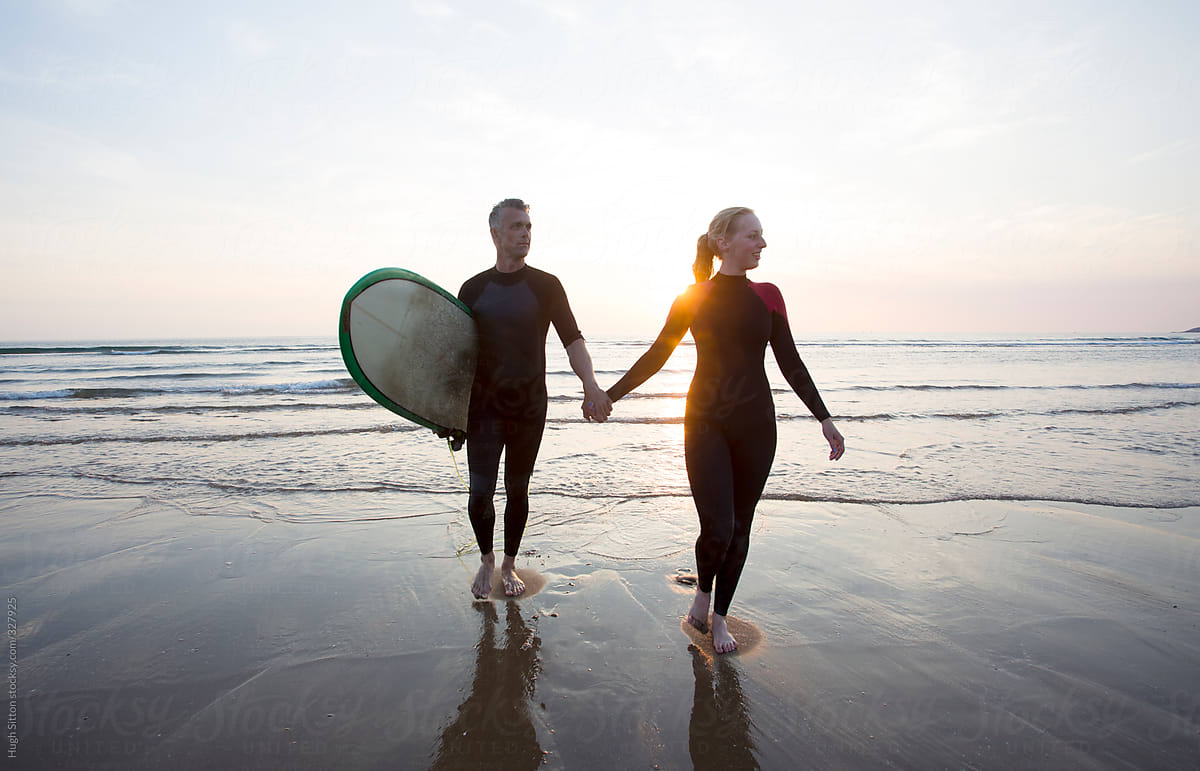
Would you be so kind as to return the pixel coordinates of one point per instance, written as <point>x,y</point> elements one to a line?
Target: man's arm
<point>596,404</point>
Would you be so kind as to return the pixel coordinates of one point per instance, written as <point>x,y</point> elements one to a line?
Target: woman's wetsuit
<point>513,313</point>
<point>729,423</point>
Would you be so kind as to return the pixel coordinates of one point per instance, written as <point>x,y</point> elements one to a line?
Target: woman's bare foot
<point>723,641</point>
<point>513,585</point>
<point>698,615</point>
<point>482,585</point>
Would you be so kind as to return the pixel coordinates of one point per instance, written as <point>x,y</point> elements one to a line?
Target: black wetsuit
<point>513,313</point>
<point>729,424</point>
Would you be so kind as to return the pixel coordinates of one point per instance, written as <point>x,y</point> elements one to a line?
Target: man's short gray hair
<point>507,203</point>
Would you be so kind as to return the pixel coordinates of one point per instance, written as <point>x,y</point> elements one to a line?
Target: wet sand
<point>962,635</point>
<point>533,580</point>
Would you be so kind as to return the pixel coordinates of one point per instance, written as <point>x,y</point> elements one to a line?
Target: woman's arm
<point>794,371</point>
<point>678,321</point>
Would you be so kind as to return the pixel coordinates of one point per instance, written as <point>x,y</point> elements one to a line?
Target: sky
<point>229,169</point>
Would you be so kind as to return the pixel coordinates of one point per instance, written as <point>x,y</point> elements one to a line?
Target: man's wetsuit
<point>512,312</point>
<point>729,423</point>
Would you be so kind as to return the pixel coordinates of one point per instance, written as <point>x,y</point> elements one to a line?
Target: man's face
<point>513,236</point>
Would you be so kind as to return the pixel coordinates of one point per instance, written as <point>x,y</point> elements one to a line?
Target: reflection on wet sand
<point>494,728</point>
<point>719,731</point>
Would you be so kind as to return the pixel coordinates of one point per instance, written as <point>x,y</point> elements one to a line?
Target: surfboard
<point>411,346</point>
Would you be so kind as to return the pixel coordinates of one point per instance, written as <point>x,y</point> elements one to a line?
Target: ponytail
<point>720,226</point>
<point>702,268</point>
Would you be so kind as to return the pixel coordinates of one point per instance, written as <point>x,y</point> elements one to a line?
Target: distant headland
<point>1193,329</point>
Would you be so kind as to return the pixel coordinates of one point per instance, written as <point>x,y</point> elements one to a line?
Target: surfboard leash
<point>471,545</point>
<point>450,447</point>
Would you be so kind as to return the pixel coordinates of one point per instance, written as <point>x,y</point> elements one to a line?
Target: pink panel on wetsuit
<point>771,297</point>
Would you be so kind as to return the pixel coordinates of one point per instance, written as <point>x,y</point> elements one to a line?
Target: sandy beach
<point>958,635</point>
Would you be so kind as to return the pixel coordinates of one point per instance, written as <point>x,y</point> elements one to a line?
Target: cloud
<point>90,8</point>
<point>431,9</point>
<point>565,12</point>
<point>53,156</point>
<point>1168,150</point>
<point>249,39</point>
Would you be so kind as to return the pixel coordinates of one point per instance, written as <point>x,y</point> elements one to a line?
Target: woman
<point>729,423</point>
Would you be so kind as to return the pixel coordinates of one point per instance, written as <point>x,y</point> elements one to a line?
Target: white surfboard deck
<point>411,345</point>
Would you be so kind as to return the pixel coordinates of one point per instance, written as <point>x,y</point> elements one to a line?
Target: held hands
<point>596,405</point>
<point>837,445</point>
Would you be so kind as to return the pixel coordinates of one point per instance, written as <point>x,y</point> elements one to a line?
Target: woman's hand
<point>596,405</point>
<point>837,445</point>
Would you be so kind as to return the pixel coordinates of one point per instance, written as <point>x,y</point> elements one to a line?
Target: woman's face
<point>741,250</point>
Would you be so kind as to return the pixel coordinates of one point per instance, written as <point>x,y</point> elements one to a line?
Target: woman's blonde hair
<point>720,226</point>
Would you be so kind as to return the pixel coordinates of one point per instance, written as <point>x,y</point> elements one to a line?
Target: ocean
<point>276,429</point>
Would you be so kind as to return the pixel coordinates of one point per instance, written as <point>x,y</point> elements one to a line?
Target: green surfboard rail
<point>347,348</point>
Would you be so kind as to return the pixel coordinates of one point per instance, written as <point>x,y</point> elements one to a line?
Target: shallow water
<point>276,428</point>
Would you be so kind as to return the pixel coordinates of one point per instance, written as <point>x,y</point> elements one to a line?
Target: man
<point>514,305</point>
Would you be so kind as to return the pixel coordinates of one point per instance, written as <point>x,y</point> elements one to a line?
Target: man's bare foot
<point>482,585</point>
<point>698,614</point>
<point>513,585</point>
<point>723,641</point>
